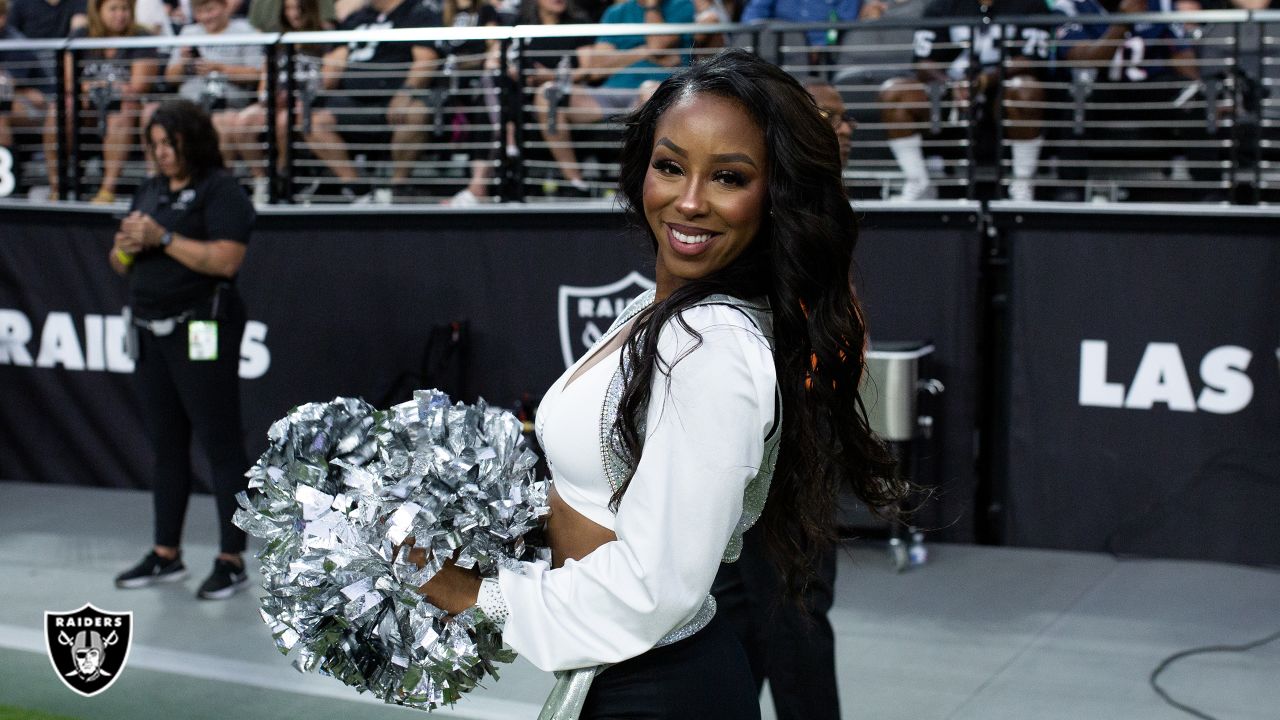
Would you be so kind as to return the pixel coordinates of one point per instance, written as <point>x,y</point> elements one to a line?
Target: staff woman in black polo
<point>180,247</point>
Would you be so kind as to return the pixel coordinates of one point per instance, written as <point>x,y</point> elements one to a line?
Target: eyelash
<point>731,178</point>
<point>726,176</point>
<point>665,166</point>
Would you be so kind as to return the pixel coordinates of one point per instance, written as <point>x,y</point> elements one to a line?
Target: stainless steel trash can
<point>891,387</point>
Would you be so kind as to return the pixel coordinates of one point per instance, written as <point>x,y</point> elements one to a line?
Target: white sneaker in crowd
<point>1021,190</point>
<point>913,190</point>
<point>261,190</point>
<point>463,198</point>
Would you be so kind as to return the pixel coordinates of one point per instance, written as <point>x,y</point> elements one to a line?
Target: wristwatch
<point>166,238</point>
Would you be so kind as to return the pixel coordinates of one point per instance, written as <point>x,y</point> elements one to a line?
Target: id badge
<point>202,340</point>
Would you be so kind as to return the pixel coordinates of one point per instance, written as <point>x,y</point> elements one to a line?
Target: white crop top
<point>704,439</point>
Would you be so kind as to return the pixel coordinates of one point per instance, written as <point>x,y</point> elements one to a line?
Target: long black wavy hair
<point>192,134</point>
<point>800,261</point>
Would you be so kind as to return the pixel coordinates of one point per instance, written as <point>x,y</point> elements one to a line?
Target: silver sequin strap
<point>491,602</point>
<point>570,692</point>
<point>696,623</point>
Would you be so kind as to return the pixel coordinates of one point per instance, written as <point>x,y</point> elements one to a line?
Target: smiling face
<point>214,15</point>
<point>706,188</point>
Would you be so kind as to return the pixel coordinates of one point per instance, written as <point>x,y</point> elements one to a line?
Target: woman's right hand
<point>451,588</point>
<point>133,234</point>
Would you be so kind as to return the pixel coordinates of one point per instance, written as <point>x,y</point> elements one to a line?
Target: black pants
<point>703,677</point>
<point>182,398</point>
<point>794,648</point>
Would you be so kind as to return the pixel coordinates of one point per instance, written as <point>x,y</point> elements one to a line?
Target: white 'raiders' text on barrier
<point>102,348</point>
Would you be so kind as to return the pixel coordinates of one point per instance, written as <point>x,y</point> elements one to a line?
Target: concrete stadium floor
<point>977,634</point>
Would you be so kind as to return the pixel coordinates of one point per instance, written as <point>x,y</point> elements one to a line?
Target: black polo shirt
<point>364,69</point>
<point>210,208</point>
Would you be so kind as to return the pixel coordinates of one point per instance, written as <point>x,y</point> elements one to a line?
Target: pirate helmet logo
<point>88,647</point>
<point>587,312</point>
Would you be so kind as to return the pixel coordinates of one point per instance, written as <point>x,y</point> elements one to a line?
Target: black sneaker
<point>153,569</point>
<point>226,580</point>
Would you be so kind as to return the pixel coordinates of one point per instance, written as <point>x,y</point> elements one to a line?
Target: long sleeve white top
<point>704,439</point>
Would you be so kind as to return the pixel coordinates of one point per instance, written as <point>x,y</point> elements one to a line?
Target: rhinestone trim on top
<point>491,602</point>
<point>617,468</point>
<point>696,623</point>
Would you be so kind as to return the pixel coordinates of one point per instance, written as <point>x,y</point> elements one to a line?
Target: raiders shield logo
<point>88,647</point>
<point>587,312</point>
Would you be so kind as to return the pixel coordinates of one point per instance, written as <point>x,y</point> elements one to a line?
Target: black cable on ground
<point>1164,664</point>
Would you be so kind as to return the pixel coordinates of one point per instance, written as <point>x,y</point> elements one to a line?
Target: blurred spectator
<point>1185,5</point>
<point>268,15</point>
<point>155,16</point>
<point>943,64</point>
<point>507,10</point>
<point>114,83</point>
<point>48,19</point>
<point>386,95</point>
<point>295,16</point>
<point>540,57</point>
<point>1131,72</point>
<point>814,11</point>
<point>541,54</point>
<point>180,12</point>
<point>44,19</point>
<point>474,122</point>
<point>343,9</point>
<point>623,64</point>
<point>712,12</point>
<point>595,9</point>
<point>23,83</point>
<point>1134,52</point>
<point>831,106</point>
<point>218,77</point>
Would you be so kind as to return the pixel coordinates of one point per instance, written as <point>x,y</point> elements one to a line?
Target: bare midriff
<point>571,534</point>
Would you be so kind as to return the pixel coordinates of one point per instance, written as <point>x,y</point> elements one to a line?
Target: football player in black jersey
<point>945,57</point>
<point>360,77</point>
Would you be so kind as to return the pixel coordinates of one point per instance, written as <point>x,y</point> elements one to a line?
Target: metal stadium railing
<point>487,110</point>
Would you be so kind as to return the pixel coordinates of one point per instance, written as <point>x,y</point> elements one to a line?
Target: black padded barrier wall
<point>344,303</point>
<point>1143,381</point>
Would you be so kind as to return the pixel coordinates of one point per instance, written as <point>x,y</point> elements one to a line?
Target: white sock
<point>1026,157</point>
<point>909,152</point>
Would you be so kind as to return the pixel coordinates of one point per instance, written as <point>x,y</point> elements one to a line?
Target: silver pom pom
<point>340,487</point>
